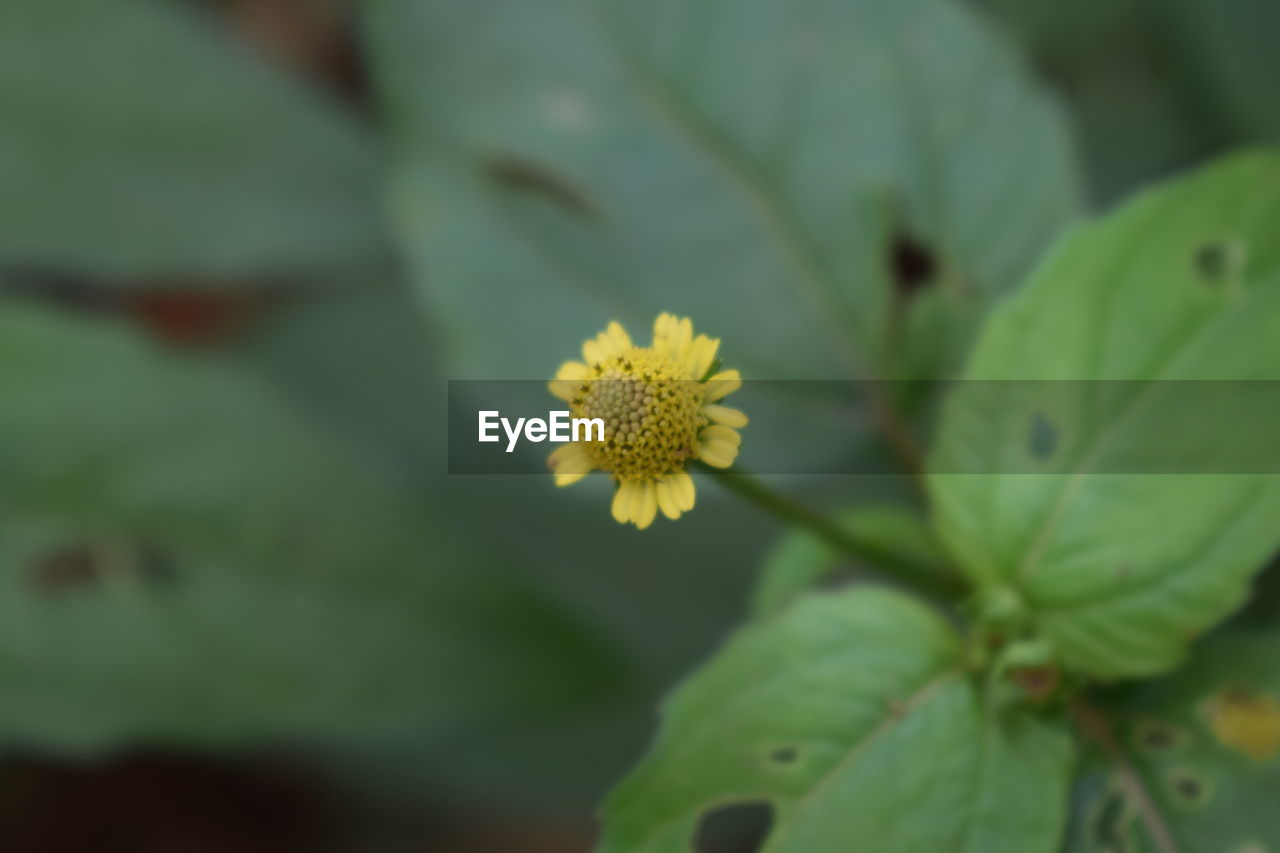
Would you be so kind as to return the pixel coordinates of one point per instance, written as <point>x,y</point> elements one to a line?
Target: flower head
<point>660,412</point>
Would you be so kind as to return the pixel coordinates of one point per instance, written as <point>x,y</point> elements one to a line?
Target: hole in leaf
<point>1220,261</point>
<point>1111,824</point>
<point>1188,788</point>
<point>523,176</point>
<point>914,266</point>
<point>736,828</point>
<point>1042,437</point>
<point>784,755</point>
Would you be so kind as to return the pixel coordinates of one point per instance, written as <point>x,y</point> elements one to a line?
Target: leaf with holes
<point>197,560</point>
<point>849,715</point>
<point>742,161</point>
<point>138,141</point>
<point>1112,454</point>
<point>1189,762</point>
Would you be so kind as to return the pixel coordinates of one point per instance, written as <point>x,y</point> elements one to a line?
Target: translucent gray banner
<point>815,427</point>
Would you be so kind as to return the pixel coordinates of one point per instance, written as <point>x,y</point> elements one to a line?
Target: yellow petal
<point>565,389</point>
<point>667,499</point>
<point>725,415</point>
<point>718,432</point>
<point>723,384</point>
<point>719,454</point>
<point>573,370</point>
<point>621,506</point>
<point>682,340</point>
<point>608,345</point>
<point>636,502</point>
<point>683,489</point>
<point>645,507</point>
<point>621,340</point>
<point>570,464</point>
<point>592,353</point>
<point>701,356</point>
<point>662,333</point>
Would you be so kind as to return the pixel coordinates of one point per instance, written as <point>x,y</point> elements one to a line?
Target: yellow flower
<point>660,412</point>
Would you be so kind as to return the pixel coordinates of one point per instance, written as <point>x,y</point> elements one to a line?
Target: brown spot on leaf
<point>535,179</point>
<point>1156,736</point>
<point>1038,683</point>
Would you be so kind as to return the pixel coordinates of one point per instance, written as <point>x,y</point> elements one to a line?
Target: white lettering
<point>559,426</point>
<point>486,424</point>
<point>513,435</point>
<point>590,424</point>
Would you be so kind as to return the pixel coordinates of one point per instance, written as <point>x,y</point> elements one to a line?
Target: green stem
<point>927,578</point>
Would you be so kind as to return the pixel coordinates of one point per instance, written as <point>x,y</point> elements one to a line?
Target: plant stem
<point>927,578</point>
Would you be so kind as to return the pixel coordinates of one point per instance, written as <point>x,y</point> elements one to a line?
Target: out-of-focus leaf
<point>565,162</point>
<point>1188,762</point>
<point>364,362</point>
<point>1138,109</point>
<point>1067,485</point>
<point>106,428</point>
<point>1232,44</point>
<point>187,558</point>
<point>137,140</point>
<point>802,561</point>
<point>851,716</point>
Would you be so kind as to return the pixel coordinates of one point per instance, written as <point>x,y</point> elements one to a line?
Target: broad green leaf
<point>213,653</point>
<point>187,557</point>
<point>1091,485</point>
<point>136,140</point>
<point>1189,762</point>
<point>564,162</point>
<point>104,427</point>
<point>802,561</point>
<point>851,716</point>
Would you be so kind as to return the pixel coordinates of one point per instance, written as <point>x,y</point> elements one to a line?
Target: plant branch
<point>927,578</point>
<point>1093,724</point>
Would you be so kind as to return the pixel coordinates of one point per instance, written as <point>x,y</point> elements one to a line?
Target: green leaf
<point>1188,762</point>
<point>1230,43</point>
<point>851,716</point>
<point>741,161</point>
<point>213,653</point>
<point>104,427</point>
<point>802,561</point>
<point>187,558</point>
<point>1073,488</point>
<point>139,141</point>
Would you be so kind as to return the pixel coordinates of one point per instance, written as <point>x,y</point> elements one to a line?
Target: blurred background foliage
<point>243,243</point>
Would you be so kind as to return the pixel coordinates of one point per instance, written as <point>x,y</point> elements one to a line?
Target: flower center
<point>651,414</point>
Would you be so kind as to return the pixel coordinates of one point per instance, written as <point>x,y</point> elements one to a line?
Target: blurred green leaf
<point>1182,763</point>
<point>802,561</point>
<point>1232,44</point>
<point>850,714</point>
<point>1067,488</point>
<point>187,558</point>
<point>563,163</point>
<point>135,139</point>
